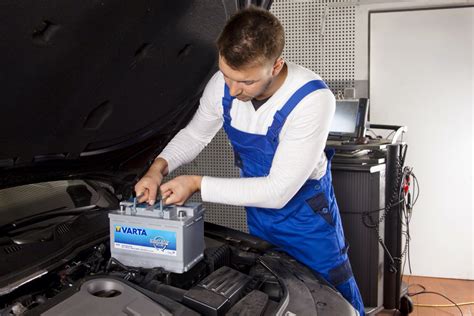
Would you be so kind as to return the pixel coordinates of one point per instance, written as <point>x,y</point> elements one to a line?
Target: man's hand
<point>148,185</point>
<point>180,189</point>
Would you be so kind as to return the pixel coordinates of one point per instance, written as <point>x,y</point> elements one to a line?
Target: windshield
<point>28,200</point>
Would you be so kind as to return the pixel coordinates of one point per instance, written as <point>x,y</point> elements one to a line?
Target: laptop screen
<point>349,119</point>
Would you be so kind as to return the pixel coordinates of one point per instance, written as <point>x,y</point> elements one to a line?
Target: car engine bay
<point>238,275</point>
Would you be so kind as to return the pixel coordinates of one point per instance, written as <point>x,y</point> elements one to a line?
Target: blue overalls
<point>308,227</point>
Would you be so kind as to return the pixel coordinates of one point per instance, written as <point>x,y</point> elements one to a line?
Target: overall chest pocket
<point>254,164</point>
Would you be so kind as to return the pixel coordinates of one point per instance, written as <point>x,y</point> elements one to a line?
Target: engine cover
<point>108,296</point>
<point>218,292</point>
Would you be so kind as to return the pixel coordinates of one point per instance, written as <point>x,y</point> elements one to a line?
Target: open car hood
<point>97,88</point>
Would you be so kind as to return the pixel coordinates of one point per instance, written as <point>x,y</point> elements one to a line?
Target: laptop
<point>350,120</point>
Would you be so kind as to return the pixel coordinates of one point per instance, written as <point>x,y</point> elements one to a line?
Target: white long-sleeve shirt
<point>300,153</point>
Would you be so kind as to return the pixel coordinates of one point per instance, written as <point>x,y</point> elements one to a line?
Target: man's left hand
<point>180,189</point>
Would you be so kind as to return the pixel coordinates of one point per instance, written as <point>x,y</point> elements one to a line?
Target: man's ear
<point>278,66</point>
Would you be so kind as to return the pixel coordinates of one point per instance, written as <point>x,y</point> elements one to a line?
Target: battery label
<point>141,239</point>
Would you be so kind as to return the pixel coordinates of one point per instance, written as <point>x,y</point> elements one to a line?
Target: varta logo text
<point>130,230</point>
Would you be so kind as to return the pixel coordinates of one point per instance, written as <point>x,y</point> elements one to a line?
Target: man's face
<point>249,82</point>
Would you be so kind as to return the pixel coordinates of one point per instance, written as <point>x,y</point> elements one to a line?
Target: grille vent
<point>63,228</point>
<point>12,249</point>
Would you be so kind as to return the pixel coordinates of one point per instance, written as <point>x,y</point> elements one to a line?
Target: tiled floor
<point>459,291</point>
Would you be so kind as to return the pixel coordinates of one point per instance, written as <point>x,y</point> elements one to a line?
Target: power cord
<point>396,198</point>
<point>445,305</point>
<point>406,211</point>
<point>380,136</point>
<point>377,136</point>
<point>424,291</point>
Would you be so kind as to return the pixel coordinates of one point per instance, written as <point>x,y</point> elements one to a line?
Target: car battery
<point>171,237</point>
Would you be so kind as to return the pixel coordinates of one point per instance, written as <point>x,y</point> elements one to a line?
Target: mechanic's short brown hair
<point>251,36</point>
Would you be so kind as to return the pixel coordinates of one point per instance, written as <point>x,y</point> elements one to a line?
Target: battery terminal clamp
<point>159,210</point>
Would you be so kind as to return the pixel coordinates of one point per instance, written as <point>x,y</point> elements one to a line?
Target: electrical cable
<point>375,211</point>
<point>424,291</point>
<point>445,305</point>
<point>400,196</point>
<point>390,134</point>
<point>407,213</point>
<point>436,293</point>
<point>415,192</point>
<point>415,284</point>
<point>396,194</point>
<point>404,179</point>
<point>374,133</point>
<point>398,188</point>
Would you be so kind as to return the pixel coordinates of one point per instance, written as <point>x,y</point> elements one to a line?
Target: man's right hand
<point>149,184</point>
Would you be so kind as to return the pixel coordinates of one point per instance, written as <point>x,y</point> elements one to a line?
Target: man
<point>277,117</point>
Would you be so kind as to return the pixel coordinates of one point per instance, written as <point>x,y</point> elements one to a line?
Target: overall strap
<point>227,104</point>
<point>281,115</point>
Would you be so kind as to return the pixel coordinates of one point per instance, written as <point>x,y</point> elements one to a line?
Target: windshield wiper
<point>60,211</point>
